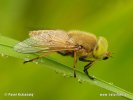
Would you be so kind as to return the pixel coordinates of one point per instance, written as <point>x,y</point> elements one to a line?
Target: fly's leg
<point>87,67</point>
<point>86,70</point>
<point>31,60</point>
<point>34,59</point>
<point>75,61</point>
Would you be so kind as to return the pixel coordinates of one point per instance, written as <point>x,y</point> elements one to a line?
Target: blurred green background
<point>112,19</point>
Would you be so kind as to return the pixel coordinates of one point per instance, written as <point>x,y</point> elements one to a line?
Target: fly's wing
<point>45,41</point>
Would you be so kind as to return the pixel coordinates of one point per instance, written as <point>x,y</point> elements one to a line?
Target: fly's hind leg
<point>31,60</point>
<point>34,59</point>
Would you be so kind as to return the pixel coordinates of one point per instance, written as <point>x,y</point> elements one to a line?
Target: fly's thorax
<point>101,48</point>
<point>86,40</point>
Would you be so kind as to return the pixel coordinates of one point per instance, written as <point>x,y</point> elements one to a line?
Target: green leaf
<point>6,48</point>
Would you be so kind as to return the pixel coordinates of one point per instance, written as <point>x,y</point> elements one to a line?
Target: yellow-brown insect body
<point>81,45</point>
<point>87,41</point>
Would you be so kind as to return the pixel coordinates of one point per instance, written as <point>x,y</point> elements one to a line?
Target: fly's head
<point>101,49</point>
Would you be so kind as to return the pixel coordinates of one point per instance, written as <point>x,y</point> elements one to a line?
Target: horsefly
<point>78,44</point>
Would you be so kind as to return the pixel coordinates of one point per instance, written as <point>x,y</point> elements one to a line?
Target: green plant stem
<point>6,48</point>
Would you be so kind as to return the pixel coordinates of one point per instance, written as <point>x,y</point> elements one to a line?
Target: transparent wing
<point>45,41</point>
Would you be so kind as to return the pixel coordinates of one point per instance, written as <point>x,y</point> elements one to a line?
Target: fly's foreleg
<point>86,70</point>
<point>87,66</point>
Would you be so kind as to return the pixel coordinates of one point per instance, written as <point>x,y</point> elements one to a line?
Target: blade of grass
<point>6,48</point>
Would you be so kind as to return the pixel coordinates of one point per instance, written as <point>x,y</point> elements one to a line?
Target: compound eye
<point>105,58</point>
